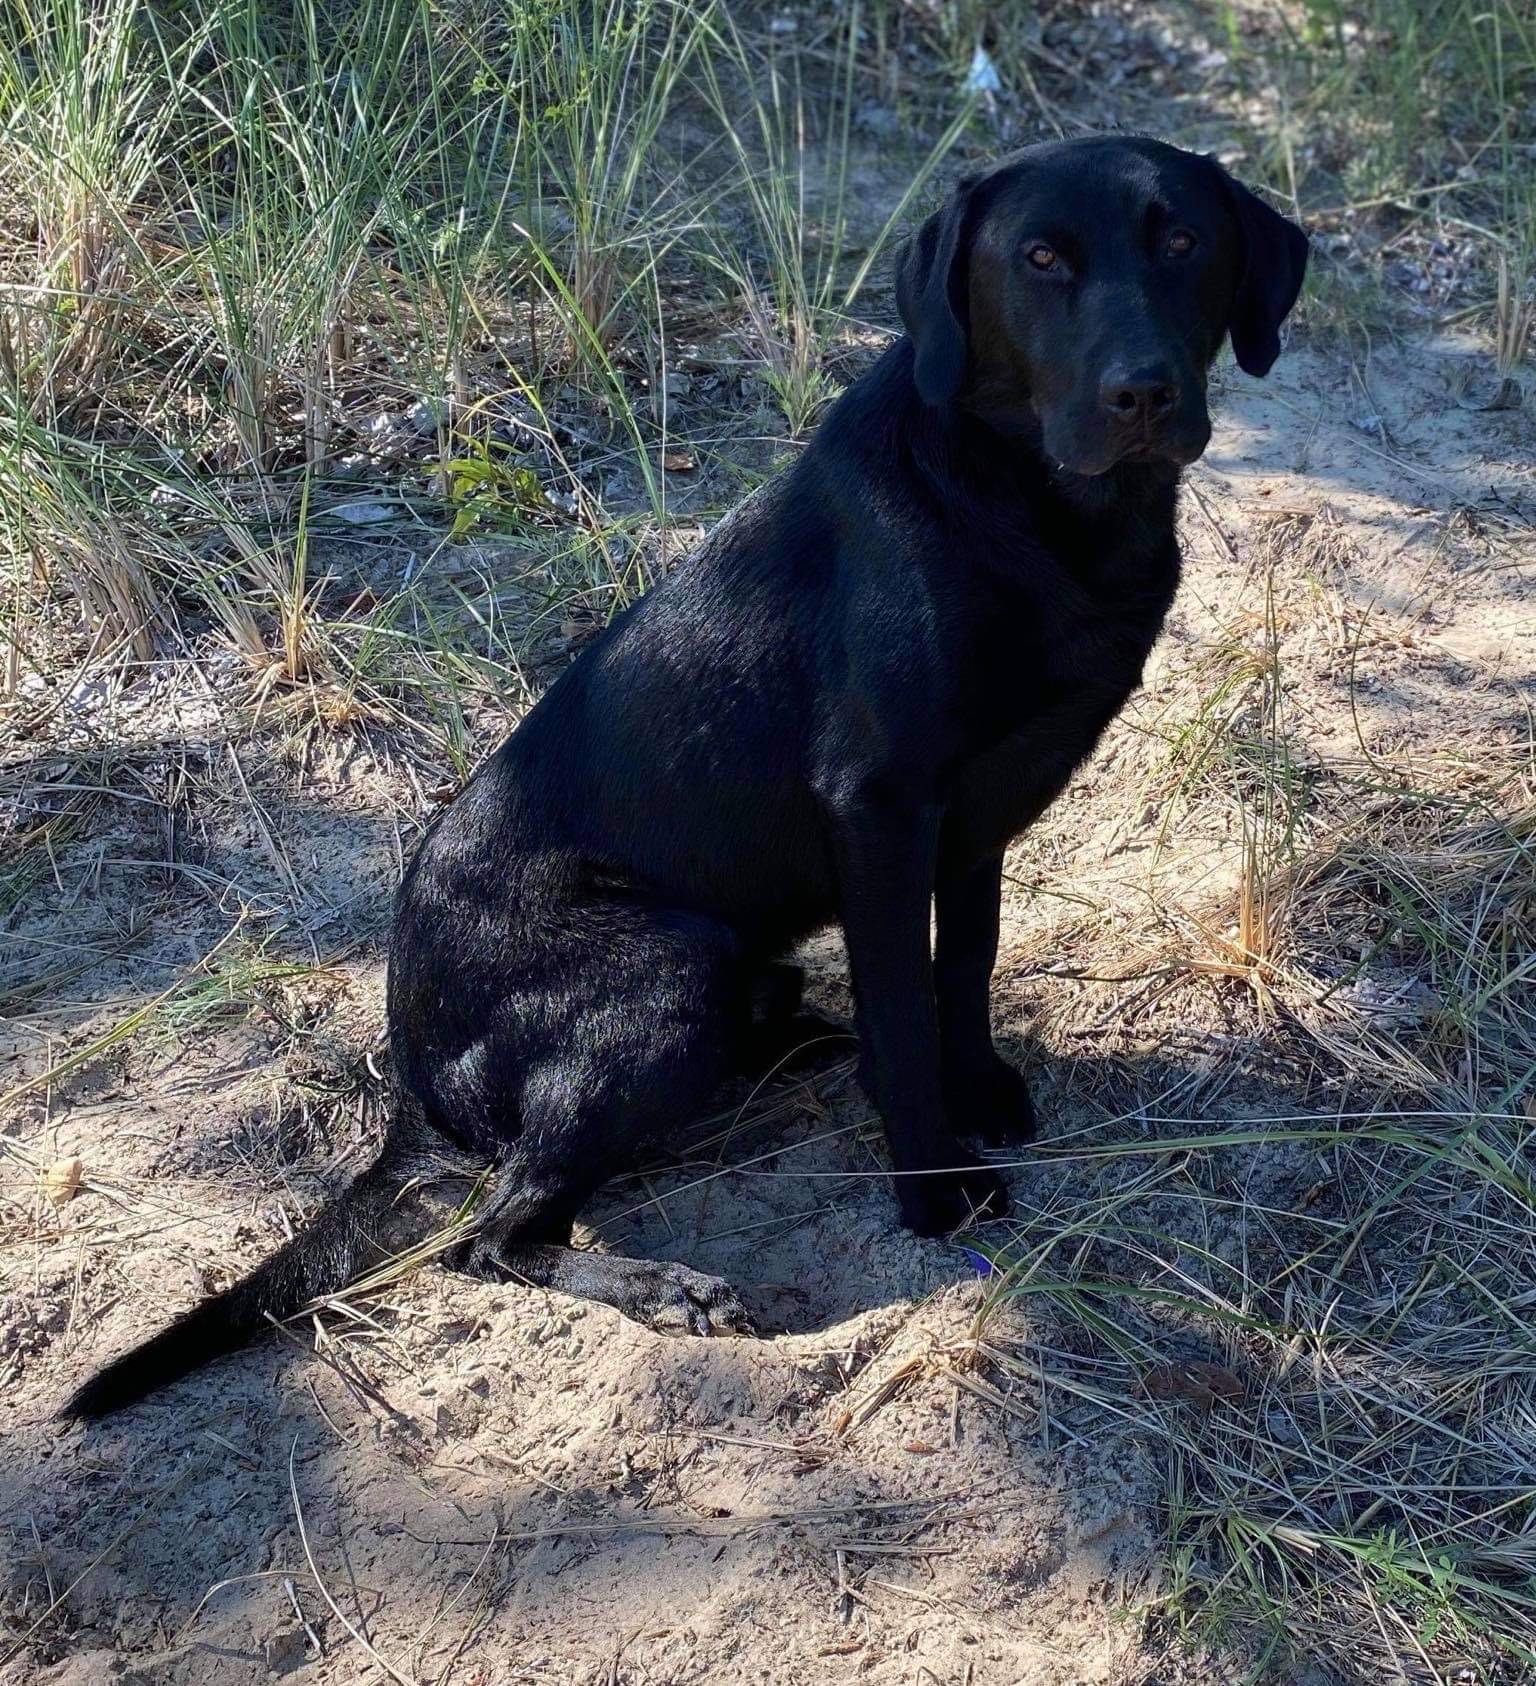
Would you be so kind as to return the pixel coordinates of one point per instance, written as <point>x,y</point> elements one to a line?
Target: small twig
<point>309,1632</point>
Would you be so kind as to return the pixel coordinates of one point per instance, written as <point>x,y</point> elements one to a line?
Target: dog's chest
<point>1052,673</point>
<point>1067,644</point>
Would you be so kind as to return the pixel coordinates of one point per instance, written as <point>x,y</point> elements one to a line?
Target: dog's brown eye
<point>1180,243</point>
<point>1041,256</point>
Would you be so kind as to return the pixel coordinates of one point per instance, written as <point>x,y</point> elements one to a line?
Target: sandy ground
<point>486,1485</point>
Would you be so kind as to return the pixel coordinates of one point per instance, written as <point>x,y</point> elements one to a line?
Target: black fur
<point>840,709</point>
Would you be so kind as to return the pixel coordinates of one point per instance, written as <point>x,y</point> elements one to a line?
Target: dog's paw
<point>991,1104</point>
<point>675,1300</point>
<point>944,1201</point>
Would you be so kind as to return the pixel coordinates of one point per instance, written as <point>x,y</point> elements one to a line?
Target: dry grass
<point>1364,1489</point>
<point>1317,1310</point>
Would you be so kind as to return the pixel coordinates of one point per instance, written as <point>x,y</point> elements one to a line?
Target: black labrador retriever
<point>867,681</point>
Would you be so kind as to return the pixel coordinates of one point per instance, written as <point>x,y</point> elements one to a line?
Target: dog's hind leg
<point>668,1297</point>
<point>637,1021</point>
<point>523,1235</point>
<point>521,1238</point>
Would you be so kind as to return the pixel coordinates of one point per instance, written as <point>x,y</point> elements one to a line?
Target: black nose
<point>1146,397</point>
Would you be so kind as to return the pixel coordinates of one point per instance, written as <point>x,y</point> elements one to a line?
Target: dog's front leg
<point>885,857</point>
<point>983,1095</point>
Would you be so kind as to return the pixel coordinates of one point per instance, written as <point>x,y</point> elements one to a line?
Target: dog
<point>841,709</point>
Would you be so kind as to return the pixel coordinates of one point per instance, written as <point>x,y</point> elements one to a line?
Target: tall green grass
<point>1426,106</point>
<point>239,237</point>
<point>792,149</point>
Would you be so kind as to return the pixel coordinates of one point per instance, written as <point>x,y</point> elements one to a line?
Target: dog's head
<point>1081,289</point>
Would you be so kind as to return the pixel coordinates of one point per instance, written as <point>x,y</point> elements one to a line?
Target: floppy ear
<point>1274,262</point>
<point>931,278</point>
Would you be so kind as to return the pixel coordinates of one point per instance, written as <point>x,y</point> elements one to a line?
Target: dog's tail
<point>321,1259</point>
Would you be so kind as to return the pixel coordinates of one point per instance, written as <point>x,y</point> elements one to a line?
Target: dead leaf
<point>678,462</point>
<point>921,1446</point>
<point>1202,1384</point>
<point>61,1181</point>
